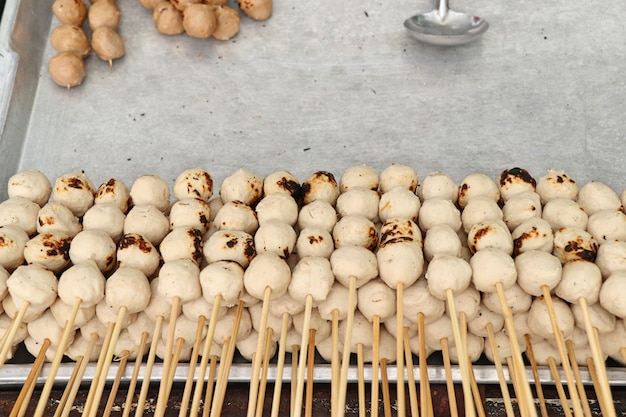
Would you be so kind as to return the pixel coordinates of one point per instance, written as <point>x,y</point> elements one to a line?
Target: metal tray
<point>325,85</point>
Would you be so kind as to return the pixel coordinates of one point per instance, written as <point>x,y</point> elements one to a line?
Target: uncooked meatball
<point>400,263</point>
<point>611,258</point>
<point>34,284</point>
<point>437,211</point>
<point>106,217</point>
<point>376,299</point>
<point>32,185</point>
<point>580,278</point>
<point>480,210</point>
<point>491,266</point>
<point>537,268</point>
<point>360,202</point>
<point>180,278</point>
<point>82,281</point>
<point>485,316</point>
<point>418,299</point>
<point>311,276</point>
<point>62,313</point>
<point>599,317</point>
<point>275,236</point>
<point>147,220</point>
<point>521,207</point>
<point>607,226</point>
<point>353,261</point>
<point>128,287</point>
<point>447,272</point>
<point>539,321</point>
<point>516,298</point>
<point>267,269</point>
<point>336,300</point>
<point>612,294</point>
<point>277,206</point>
<point>441,240</point>
<point>223,278</point>
<point>466,302</point>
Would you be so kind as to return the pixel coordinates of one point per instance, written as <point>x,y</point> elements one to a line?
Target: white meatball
<point>247,346</point>
<point>55,217</point>
<point>193,183</point>
<point>287,305</point>
<point>466,303</point>
<point>362,332</point>
<point>34,284</point>
<point>398,175</point>
<point>190,212</point>
<point>75,191</point>
<point>32,312</point>
<point>376,299</point>
<point>13,240</point>
<point>607,225</point>
<point>399,203</point>
<point>114,191</point>
<point>438,185</point>
<point>267,269</point>
<point>521,207</point>
<point>95,327</point>
<point>63,312</point>
<point>438,329</point>
<point>400,263</point>
<point>142,324</point>
<point>543,350</point>
<point>353,261</point>
<point>125,347</point>
<point>314,242</point>
<point>4,276</point>
<point>564,212</point>
<point>242,185</point>
<point>32,185</point>
<point>415,342</point>
<point>107,217</point>
<point>391,326</point>
<point>160,304</point>
<point>50,250</point>
<point>184,329</point>
<point>480,210</point>
<point>579,337</point>
<point>532,234</point>
<point>321,326</point>
<point>46,327</point>
<point>223,278</point>
<point>503,344</point>
<point>275,236</point>
<point>596,196</point>
<point>215,205</point>
<point>82,280</point>
<point>279,206</point>
<point>311,276</point>
<point>537,268</point>
<point>321,185</point>
<point>182,243</point>
<point>6,321</point>
<point>448,272</point>
<point>611,258</point>
<point>272,322</point>
<point>21,212</point>
<point>128,287</point>
<point>151,190</point>
<point>539,321</point>
<point>477,184</point>
<point>148,221</point>
<point>336,300</point>
<point>235,215</point>
<point>386,348</point>
<point>355,230</point>
<point>225,325</point>
<point>571,243</point>
<point>556,184</point>
<point>281,182</point>
<point>200,307</point>
<point>611,294</point>
<point>95,245</point>
<point>437,211</point>
<point>318,213</point>
<point>137,252</point>
<point>478,326</point>
<point>230,245</point>
<point>441,240</point>
<point>599,317</point>
<point>474,347</point>
<point>491,266</point>
<point>515,181</point>
<point>360,202</point>
<point>520,324</point>
<point>78,349</point>
<point>400,229</point>
<point>363,176</point>
<point>494,234</point>
<point>184,356</point>
<point>180,278</point>
<point>417,299</point>
<point>580,278</point>
<point>516,298</point>
<point>611,343</point>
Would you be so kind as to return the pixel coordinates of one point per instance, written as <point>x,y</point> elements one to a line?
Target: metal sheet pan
<point>322,86</point>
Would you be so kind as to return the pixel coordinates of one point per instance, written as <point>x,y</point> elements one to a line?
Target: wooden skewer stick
<point>31,379</point>
<point>517,384</point>
<point>99,366</point>
<point>335,367</point>
<point>107,361</point>
<point>280,366</point>
<point>193,361</point>
<point>414,405</point>
<point>65,407</point>
<point>145,385</point>
<point>167,358</point>
<point>506,396</point>
<point>206,352</point>
<point>265,368</point>
<point>375,356</point>
<point>623,353</point>
<point>525,398</point>
<point>598,360</point>
<point>345,363</point>
<point>421,354</point>
<point>400,349</point>
<point>133,380</point>
<point>579,382</point>
<point>56,361</point>
<point>116,384</point>
<point>559,387</point>
<point>308,404</point>
<point>257,357</point>
<point>565,363</point>
<point>533,364</point>
<point>68,386</point>
<point>454,411</point>
<point>11,332</point>
<point>594,377</point>
<point>294,377</point>
<point>480,410</point>
<point>171,373</point>
<point>209,387</point>
<point>306,325</point>
<point>361,380</point>
<point>385,387</point>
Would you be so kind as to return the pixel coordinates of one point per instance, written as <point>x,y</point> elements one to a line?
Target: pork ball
<point>611,294</point>
<point>438,185</point>
<point>312,276</point>
<point>437,211</point>
<point>147,220</point>
<point>182,243</point>
<point>572,243</point>
<point>128,287</point>
<point>21,212</point>
<point>479,325</point>
<point>514,181</point>
<point>607,225</point>
<point>521,207</point>
<point>50,250</point>
<point>193,183</point>
<point>536,269</point>
<point>564,212</point>
<point>72,12</point>
<point>611,258</point>
<point>13,240</point>
<point>314,242</point>
<point>532,234</point>
<point>491,266</point>
<point>135,251</point>
<point>267,269</point>
<point>477,184</point>
<point>230,245</point>
<point>398,175</point>
<point>279,182</point>
<point>517,300</point>
<point>400,263</point>
<point>95,245</point>
<point>190,212</point>
<point>151,190</point>
<point>31,184</point>
<point>180,278</point>
<point>556,184</point>
<point>278,206</point>
<point>354,230</point>
<point>359,201</point>
<point>480,210</point>
<point>242,185</point>
<point>418,299</point>
<point>322,186</point>
<point>599,317</point>
<point>596,196</point>
<point>376,299</point>
<point>275,236</point>
<point>335,301</point>
<point>63,313</point>
<point>34,284</point>
<point>83,281</point>
<point>359,176</point>
<point>580,278</point>
<point>441,240</point>
<point>223,278</point>
<point>399,203</point>
<point>494,234</point>
<point>75,191</point>
<point>235,215</point>
<point>106,217</point>
<point>466,303</point>
<point>114,191</point>
<point>353,261</point>
<point>539,321</point>
<point>55,217</point>
<point>168,19</point>
<point>447,272</point>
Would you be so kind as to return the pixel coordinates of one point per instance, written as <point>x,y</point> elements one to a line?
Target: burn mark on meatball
<point>109,260</point>
<point>137,241</point>
<point>196,235</point>
<point>231,243</point>
<point>463,189</point>
<point>75,182</point>
<point>577,247</point>
<point>54,247</point>
<point>203,220</point>
<point>248,248</point>
<point>3,242</point>
<point>394,240</point>
<point>291,186</point>
<point>510,175</point>
<point>46,220</point>
<point>315,239</point>
<point>518,243</point>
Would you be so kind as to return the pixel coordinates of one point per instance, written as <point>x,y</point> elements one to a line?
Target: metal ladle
<point>443,26</point>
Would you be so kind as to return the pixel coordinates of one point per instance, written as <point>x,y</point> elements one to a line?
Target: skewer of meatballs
<point>557,250</point>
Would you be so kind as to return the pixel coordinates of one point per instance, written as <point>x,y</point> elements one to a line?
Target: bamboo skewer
<point>559,387</point>
<point>297,408</point>
<point>502,380</point>
<point>533,364</point>
<point>116,384</point>
<point>280,366</point>
<point>335,367</point>
<point>385,387</point>
<point>375,356</point>
<point>133,380</point>
<point>400,349</point>
<point>68,386</point>
<point>31,380</point>
<point>414,404</point>
<point>360,380</point>
<point>308,404</point>
<point>167,358</point>
<point>294,377</point>
<point>345,363</point>
<point>257,357</point>
<point>171,373</point>
<point>424,397</point>
<point>209,387</point>
<point>145,385</point>
<point>264,371</point>
<point>594,377</point>
<point>193,361</point>
<point>9,335</point>
<point>99,366</point>
<point>579,382</point>
<point>454,411</point>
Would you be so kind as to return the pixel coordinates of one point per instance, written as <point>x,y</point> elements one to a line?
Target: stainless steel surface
<point>323,86</point>
<point>445,27</point>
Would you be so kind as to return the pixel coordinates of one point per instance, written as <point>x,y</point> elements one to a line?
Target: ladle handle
<point>442,8</point>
